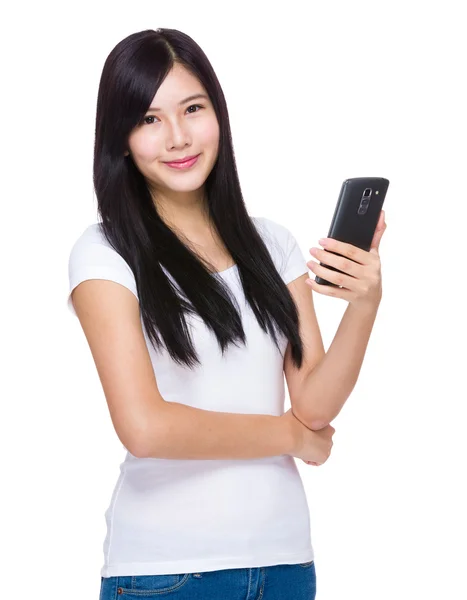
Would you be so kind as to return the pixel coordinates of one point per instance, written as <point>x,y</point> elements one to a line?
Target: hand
<point>361,278</point>
<point>312,446</point>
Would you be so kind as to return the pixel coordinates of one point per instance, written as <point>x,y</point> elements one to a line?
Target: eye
<point>195,106</point>
<point>144,122</point>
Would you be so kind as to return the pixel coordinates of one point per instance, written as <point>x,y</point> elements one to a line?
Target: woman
<point>193,311</point>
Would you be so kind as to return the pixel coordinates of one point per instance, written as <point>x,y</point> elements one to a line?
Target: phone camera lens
<point>367,193</point>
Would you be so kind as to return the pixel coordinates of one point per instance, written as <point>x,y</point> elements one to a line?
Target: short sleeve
<point>284,249</point>
<point>295,263</point>
<point>92,258</point>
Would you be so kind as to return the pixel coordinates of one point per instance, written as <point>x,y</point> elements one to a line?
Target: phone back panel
<point>349,224</point>
<point>355,219</point>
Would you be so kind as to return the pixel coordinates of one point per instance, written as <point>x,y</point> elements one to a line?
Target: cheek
<point>208,134</point>
<point>145,145</point>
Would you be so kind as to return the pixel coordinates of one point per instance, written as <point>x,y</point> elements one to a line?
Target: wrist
<point>367,307</point>
<point>292,433</point>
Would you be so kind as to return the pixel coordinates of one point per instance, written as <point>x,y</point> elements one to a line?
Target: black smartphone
<point>356,215</point>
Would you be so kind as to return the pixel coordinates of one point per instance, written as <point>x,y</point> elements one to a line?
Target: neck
<point>185,212</point>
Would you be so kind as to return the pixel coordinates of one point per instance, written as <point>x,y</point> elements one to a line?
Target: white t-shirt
<point>185,516</point>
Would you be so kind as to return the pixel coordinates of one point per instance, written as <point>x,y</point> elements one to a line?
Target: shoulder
<point>92,257</point>
<point>271,228</point>
<point>283,247</point>
<point>92,246</point>
<point>92,234</point>
<point>276,236</point>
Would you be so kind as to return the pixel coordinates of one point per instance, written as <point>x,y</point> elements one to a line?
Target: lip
<point>185,163</point>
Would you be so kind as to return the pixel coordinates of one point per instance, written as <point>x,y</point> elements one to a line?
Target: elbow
<point>150,442</point>
<point>143,448</point>
<point>317,424</point>
<point>312,420</point>
<point>137,448</point>
<point>321,421</point>
<point>138,452</point>
<point>136,442</point>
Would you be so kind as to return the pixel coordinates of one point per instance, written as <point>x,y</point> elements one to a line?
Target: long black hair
<point>131,76</point>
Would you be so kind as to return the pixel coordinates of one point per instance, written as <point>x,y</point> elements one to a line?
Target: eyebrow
<point>189,99</point>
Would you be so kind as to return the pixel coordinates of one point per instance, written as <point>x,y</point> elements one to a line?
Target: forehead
<point>178,84</point>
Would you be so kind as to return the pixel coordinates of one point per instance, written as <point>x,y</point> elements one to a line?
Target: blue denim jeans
<point>277,582</point>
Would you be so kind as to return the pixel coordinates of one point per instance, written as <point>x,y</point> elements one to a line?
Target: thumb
<point>380,229</point>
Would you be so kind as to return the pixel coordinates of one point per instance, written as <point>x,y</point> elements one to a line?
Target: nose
<point>178,136</point>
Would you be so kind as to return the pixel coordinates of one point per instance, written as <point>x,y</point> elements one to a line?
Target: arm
<point>327,386</point>
<point>147,424</point>
<point>179,431</point>
<point>332,380</point>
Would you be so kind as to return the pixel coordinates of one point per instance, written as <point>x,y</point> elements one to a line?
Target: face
<point>174,132</point>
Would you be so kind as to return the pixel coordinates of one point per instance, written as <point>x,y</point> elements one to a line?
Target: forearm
<point>183,432</point>
<point>327,387</point>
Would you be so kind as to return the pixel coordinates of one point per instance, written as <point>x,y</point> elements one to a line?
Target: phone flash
<point>377,192</point>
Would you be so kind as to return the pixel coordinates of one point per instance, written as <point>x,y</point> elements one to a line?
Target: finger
<point>348,250</point>
<point>340,279</point>
<point>382,217</point>
<point>329,290</point>
<point>336,260</point>
<point>377,238</point>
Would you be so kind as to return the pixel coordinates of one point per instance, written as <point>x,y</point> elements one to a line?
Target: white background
<point>317,92</point>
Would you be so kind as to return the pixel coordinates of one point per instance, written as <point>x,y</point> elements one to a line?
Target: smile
<point>183,165</point>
